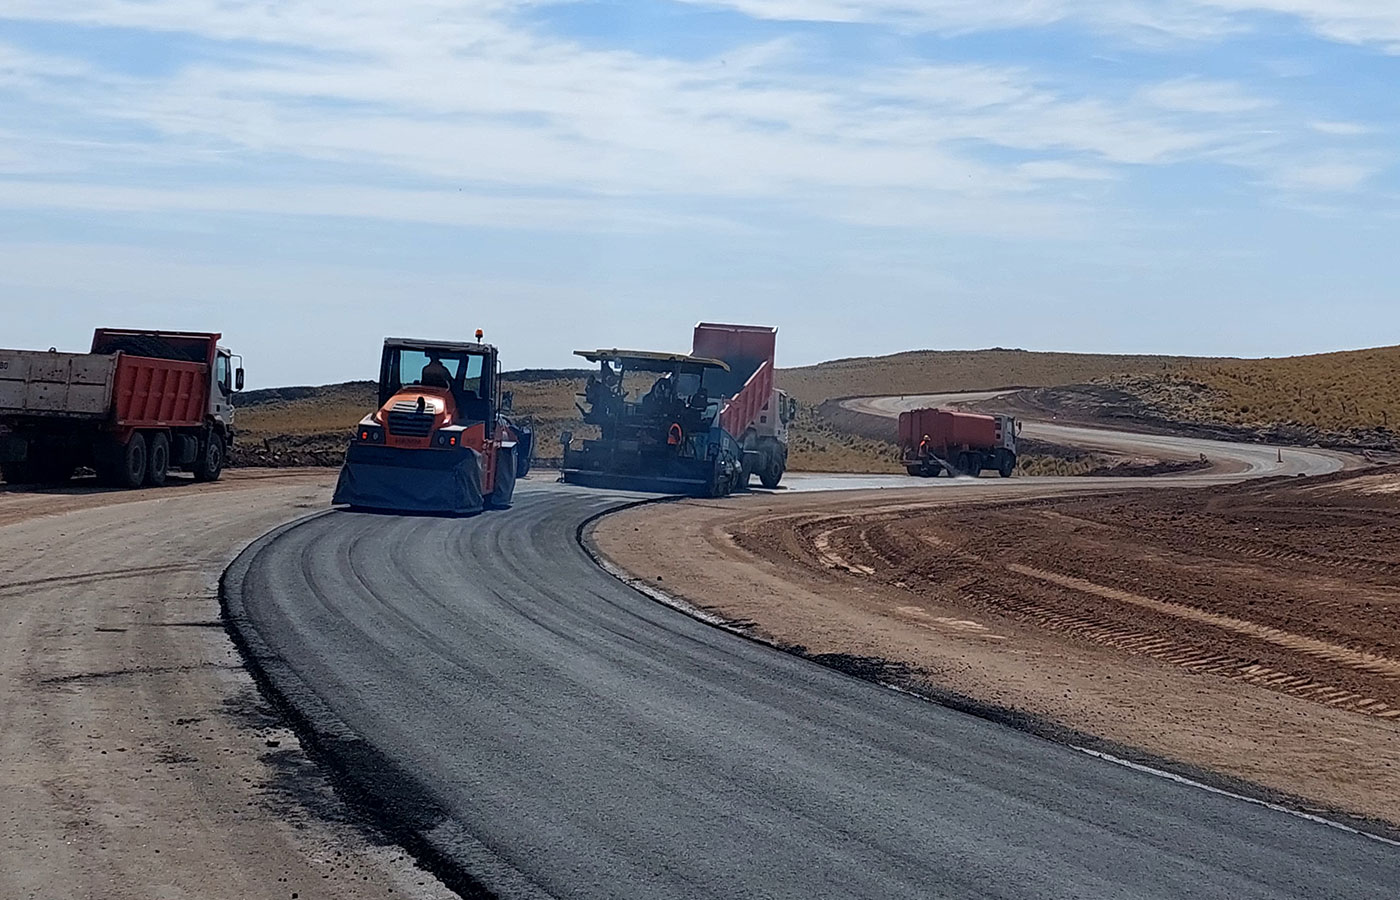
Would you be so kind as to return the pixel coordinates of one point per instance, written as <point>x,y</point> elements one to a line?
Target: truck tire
<point>209,464</point>
<point>158,459</point>
<point>771,476</point>
<point>970,464</point>
<point>129,470</point>
<point>1006,463</point>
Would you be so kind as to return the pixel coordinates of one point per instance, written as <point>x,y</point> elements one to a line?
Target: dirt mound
<point>291,451</point>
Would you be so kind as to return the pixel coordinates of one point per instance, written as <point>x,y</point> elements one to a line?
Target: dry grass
<point>930,371</point>
<point>1353,389</point>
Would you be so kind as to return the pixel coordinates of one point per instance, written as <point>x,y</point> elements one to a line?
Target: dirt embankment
<point>1200,626</point>
<point>1175,404</point>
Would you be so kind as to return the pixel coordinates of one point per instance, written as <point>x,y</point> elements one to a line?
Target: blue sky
<point>308,176</point>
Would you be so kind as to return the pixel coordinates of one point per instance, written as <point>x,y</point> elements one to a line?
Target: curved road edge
<point>1253,460</point>
<point>393,801</point>
<point>1020,720</point>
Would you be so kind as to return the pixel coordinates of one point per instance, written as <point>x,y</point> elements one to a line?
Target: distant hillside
<point>1350,389</point>
<point>932,371</point>
<point>1351,397</point>
<point>308,425</point>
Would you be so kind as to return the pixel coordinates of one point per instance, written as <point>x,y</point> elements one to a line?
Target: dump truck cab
<point>438,440</point>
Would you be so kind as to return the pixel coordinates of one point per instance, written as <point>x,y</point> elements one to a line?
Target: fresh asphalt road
<point>555,733</point>
<point>1251,460</point>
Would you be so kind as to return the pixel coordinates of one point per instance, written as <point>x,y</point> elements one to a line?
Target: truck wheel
<point>158,459</point>
<point>971,464</point>
<point>131,462</point>
<point>210,462</point>
<point>770,476</point>
<point>1006,464</point>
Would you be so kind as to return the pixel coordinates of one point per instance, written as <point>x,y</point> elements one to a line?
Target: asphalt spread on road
<point>539,729</point>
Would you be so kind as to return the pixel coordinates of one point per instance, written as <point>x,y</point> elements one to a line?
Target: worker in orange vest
<point>925,447</point>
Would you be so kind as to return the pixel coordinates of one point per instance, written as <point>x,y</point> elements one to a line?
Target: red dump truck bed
<point>948,430</point>
<point>117,383</point>
<point>748,385</point>
<point>152,393</point>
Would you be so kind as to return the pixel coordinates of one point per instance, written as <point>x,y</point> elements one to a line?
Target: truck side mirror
<point>238,379</point>
<point>507,401</point>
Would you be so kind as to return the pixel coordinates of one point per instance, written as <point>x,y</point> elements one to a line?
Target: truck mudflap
<point>391,479</point>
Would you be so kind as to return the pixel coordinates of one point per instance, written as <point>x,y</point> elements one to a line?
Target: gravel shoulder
<point>1289,688</point>
<point>137,758</point>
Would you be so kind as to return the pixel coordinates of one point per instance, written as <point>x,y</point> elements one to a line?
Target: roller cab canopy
<point>651,361</point>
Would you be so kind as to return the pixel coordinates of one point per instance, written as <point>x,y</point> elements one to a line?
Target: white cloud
<point>1340,129</point>
<point>454,113</point>
<point>1325,176</point>
<point>1195,95</point>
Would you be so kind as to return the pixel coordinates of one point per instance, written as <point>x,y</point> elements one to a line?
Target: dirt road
<point>1201,626</point>
<point>1232,458</point>
<point>137,759</point>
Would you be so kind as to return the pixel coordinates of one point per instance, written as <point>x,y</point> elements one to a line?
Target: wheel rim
<point>215,456</point>
<point>136,463</point>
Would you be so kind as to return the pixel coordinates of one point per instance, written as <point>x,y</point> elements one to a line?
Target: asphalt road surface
<point>1252,460</point>
<point>554,733</point>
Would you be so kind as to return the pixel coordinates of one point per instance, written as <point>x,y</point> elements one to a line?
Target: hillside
<point>1349,399</point>
<point>310,425</point>
<point>930,371</point>
<point>1350,389</point>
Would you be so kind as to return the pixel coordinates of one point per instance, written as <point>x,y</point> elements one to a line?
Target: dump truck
<point>138,405</point>
<point>753,409</point>
<point>934,441</point>
<point>438,442</point>
<point>658,423</point>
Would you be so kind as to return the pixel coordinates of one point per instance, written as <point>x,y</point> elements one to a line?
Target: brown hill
<point>1305,396</point>
<point>931,371</point>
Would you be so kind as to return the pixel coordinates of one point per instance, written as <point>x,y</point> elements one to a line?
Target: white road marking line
<point>1188,782</point>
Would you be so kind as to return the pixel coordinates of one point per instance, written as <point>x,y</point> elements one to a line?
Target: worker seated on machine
<point>435,374</point>
<point>661,398</point>
<point>700,400</point>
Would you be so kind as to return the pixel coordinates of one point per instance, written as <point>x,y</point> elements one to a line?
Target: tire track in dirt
<point>1061,580</point>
